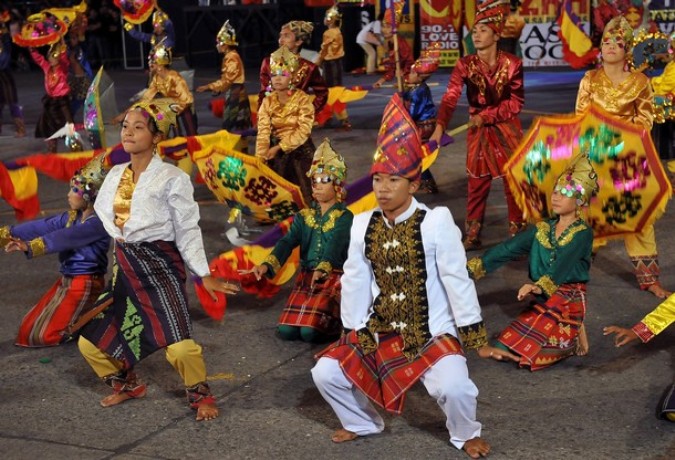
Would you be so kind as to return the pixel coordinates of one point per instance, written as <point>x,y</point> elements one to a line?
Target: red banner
<point>439,22</point>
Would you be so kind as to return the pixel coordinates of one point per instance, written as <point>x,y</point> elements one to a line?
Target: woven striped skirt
<point>45,324</point>
<point>237,111</point>
<point>547,333</point>
<point>149,309</point>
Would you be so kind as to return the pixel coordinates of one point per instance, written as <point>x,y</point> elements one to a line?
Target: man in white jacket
<point>406,299</point>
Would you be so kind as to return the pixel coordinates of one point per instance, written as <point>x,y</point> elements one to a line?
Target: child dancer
<point>147,207</point>
<point>405,54</point>
<point>626,95</point>
<point>56,102</point>
<point>322,232</point>
<point>330,57</point>
<point>82,244</point>
<point>420,104</point>
<point>559,259</point>
<point>237,112</point>
<point>168,83</point>
<point>285,121</point>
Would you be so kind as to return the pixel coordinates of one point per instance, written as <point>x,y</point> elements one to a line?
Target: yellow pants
<point>637,244</point>
<point>185,356</point>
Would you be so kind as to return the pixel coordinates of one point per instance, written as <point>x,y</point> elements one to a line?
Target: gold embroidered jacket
<point>552,261</point>
<point>323,240</point>
<point>172,85</point>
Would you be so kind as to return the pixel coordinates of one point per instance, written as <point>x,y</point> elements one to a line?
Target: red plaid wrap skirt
<point>547,333</point>
<point>386,375</point>
<point>317,307</point>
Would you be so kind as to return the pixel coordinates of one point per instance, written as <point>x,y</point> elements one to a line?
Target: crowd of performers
<point>392,287</point>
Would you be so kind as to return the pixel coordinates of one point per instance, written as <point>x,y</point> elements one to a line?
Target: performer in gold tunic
<point>237,113</point>
<point>285,123</point>
<point>627,96</point>
<point>330,57</point>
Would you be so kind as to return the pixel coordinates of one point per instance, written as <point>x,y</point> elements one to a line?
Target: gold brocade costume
<point>630,100</point>
<point>289,123</point>
<point>332,45</point>
<point>232,72</point>
<point>171,85</point>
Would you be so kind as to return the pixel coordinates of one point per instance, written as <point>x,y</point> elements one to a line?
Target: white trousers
<point>371,57</point>
<point>447,381</point>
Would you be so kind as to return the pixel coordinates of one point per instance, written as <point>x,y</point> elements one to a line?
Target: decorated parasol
<point>247,184</point>
<point>39,30</point>
<point>135,11</point>
<point>99,105</point>
<point>634,188</point>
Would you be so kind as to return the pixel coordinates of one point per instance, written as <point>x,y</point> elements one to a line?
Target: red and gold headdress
<point>393,14</point>
<point>618,29</point>
<point>493,13</point>
<point>428,60</point>
<point>399,146</point>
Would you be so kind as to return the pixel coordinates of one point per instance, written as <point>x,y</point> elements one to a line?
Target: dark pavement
<point>598,407</point>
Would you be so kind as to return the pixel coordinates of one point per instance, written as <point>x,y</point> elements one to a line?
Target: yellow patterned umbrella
<point>247,184</point>
<point>634,188</point>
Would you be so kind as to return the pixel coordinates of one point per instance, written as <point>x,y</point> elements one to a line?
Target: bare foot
<point>343,435</point>
<point>118,398</point>
<point>582,343</point>
<point>207,411</point>
<point>659,291</point>
<point>476,448</point>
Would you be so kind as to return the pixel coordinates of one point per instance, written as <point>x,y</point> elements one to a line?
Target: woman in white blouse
<point>147,207</point>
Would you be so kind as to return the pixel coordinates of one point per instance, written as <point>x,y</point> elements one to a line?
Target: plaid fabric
<point>237,112</point>
<point>318,308</point>
<point>547,333</point>
<point>386,375</point>
<point>293,167</point>
<point>149,309</point>
<point>61,306</point>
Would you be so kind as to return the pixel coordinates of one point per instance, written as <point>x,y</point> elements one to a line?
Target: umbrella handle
<point>458,130</point>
